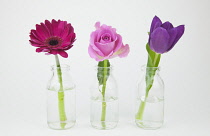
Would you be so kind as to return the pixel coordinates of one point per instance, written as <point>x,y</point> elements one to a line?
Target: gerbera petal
<point>70,38</point>
<point>42,49</point>
<point>33,32</point>
<point>54,27</point>
<point>61,27</point>
<point>35,40</point>
<point>54,52</point>
<point>40,32</point>
<point>49,26</point>
<point>66,31</point>
<point>36,44</point>
<point>68,47</point>
<point>63,53</point>
<point>45,30</point>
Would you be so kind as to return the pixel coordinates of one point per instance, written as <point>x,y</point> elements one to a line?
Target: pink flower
<point>105,43</point>
<point>53,37</point>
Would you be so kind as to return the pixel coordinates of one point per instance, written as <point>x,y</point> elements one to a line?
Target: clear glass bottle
<point>150,99</point>
<point>104,108</point>
<point>61,105</point>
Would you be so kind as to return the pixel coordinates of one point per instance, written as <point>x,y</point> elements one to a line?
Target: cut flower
<point>163,36</point>
<point>53,37</point>
<point>105,43</point>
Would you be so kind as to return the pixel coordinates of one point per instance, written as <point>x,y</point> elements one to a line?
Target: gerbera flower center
<point>53,42</point>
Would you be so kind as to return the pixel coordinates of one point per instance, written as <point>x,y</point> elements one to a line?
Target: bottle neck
<point>150,69</point>
<point>63,68</point>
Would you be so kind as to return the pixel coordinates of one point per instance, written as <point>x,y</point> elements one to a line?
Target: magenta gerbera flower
<point>53,37</point>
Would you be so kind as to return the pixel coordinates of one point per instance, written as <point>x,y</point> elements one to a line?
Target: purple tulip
<point>163,36</point>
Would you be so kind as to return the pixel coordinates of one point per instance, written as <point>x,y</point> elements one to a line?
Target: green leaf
<point>101,68</point>
<point>153,57</point>
<point>153,61</point>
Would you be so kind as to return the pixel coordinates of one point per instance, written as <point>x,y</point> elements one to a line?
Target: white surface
<point>185,70</point>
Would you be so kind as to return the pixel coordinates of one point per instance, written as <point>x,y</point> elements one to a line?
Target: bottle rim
<point>62,66</point>
<point>144,67</point>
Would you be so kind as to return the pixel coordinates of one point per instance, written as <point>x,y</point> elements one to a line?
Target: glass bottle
<point>104,108</point>
<point>61,106</point>
<point>150,99</point>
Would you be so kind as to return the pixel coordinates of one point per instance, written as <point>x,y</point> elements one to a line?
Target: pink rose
<point>105,43</point>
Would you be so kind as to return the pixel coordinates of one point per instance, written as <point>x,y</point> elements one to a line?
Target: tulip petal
<point>180,31</point>
<point>156,22</point>
<point>159,40</point>
<point>173,34</point>
<point>167,25</point>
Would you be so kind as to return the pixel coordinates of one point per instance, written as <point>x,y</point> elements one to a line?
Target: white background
<point>185,69</point>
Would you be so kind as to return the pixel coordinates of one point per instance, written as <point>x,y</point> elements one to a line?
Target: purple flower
<point>163,36</point>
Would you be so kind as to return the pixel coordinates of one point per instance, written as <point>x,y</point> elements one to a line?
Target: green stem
<point>103,113</point>
<point>61,104</point>
<point>153,61</point>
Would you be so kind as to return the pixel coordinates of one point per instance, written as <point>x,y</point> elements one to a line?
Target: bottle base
<point>150,125</point>
<point>61,126</point>
<point>104,125</point>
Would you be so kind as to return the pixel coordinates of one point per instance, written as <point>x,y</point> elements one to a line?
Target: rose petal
<point>93,54</point>
<point>122,52</point>
<point>108,31</point>
<point>105,48</point>
<point>159,40</point>
<point>118,43</point>
<point>97,25</point>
